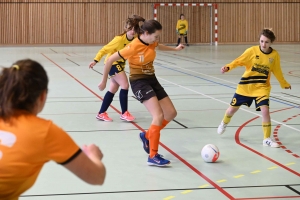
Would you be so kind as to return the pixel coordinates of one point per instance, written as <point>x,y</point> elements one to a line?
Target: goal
<point>213,16</point>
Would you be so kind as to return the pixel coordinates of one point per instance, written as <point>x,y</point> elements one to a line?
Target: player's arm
<point>107,68</point>
<point>88,166</point>
<point>279,75</point>
<point>242,60</point>
<point>167,48</point>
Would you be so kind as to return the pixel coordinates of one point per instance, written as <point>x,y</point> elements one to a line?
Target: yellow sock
<point>226,118</point>
<point>266,126</point>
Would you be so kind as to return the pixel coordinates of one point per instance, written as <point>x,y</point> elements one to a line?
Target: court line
<point>237,139</point>
<point>172,152</point>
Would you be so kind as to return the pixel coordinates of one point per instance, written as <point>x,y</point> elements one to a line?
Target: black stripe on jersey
<point>121,56</point>
<point>250,82</point>
<point>254,77</point>
<point>72,157</point>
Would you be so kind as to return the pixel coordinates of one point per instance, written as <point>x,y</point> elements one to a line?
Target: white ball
<point>210,153</point>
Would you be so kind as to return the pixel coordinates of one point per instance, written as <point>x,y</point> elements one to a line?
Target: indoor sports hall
<point>199,91</point>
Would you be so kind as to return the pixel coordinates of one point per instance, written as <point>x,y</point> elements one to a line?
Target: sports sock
<point>226,118</point>
<point>108,98</point>
<point>178,41</point>
<point>123,97</point>
<point>186,40</point>
<point>164,124</point>
<point>266,126</point>
<point>154,135</point>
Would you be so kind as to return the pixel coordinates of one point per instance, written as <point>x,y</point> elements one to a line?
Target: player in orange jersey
<point>27,141</point>
<point>140,54</point>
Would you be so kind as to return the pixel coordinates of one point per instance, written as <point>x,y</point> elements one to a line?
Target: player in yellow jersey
<point>182,29</point>
<point>259,61</point>
<point>27,141</point>
<point>140,54</point>
<point>117,75</point>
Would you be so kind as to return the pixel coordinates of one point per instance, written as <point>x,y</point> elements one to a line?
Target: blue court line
<point>218,83</point>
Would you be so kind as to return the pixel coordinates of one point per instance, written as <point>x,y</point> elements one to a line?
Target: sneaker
<point>269,142</point>
<point>127,117</point>
<point>145,142</point>
<point>158,161</point>
<point>221,128</point>
<point>104,117</point>
<point>187,45</point>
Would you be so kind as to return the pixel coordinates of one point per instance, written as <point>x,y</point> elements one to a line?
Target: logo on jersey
<point>257,57</point>
<point>271,60</point>
<point>7,139</point>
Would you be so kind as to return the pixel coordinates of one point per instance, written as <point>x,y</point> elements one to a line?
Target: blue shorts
<point>117,68</point>
<point>238,100</point>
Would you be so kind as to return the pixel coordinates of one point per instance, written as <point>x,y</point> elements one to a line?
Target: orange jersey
<point>26,144</point>
<point>140,56</point>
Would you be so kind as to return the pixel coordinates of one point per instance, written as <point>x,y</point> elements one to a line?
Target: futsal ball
<point>210,153</point>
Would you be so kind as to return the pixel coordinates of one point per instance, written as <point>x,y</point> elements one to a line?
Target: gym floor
<point>201,94</point>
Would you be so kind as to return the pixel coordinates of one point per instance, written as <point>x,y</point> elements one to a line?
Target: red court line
<point>237,135</point>
<point>164,146</point>
<point>275,134</point>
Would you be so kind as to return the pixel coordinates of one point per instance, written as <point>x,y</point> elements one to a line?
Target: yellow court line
<point>223,180</point>
<point>203,186</point>
<point>239,176</point>
<point>169,197</point>
<point>256,171</point>
<point>186,191</point>
<point>273,167</point>
<point>292,163</point>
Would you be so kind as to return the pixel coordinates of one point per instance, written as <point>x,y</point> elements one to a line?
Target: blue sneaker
<point>145,142</point>
<point>158,161</point>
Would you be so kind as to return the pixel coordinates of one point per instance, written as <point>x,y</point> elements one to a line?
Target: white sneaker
<point>221,128</point>
<point>270,143</point>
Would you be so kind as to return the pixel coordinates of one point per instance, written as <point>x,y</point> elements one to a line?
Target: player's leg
<point>262,104</point>
<point>122,80</point>
<point>186,40</point>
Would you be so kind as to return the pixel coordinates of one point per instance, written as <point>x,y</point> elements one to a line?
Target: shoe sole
<point>127,119</point>
<point>265,145</point>
<point>103,120</point>
<point>159,165</point>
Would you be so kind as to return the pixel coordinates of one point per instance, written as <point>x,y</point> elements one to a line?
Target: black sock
<point>185,38</point>
<point>178,41</point>
<point>123,96</point>
<point>108,98</point>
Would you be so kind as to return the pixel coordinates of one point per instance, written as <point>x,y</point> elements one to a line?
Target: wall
<point>96,22</point>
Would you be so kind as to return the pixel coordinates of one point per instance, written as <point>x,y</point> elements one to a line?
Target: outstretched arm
<point>166,48</point>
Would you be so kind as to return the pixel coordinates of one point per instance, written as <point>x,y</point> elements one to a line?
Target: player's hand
<point>92,149</point>
<point>224,69</point>
<point>290,87</point>
<point>179,47</point>
<point>92,64</point>
<point>102,86</point>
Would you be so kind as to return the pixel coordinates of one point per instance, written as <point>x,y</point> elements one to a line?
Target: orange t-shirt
<point>140,56</point>
<point>25,145</point>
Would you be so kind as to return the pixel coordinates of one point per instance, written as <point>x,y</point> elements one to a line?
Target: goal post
<point>213,16</point>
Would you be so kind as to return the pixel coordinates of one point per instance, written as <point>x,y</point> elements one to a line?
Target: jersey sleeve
<point>59,146</point>
<point>127,52</point>
<point>110,47</point>
<point>278,73</point>
<point>242,60</point>
<point>186,25</point>
<point>177,25</point>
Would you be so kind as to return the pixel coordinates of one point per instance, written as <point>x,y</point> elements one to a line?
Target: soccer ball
<point>210,153</point>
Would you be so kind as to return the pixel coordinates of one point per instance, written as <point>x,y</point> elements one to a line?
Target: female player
<point>117,74</point>
<point>182,29</point>
<point>259,62</point>
<point>141,54</point>
<point>27,142</point>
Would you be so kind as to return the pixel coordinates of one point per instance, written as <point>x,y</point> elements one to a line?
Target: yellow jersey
<point>258,65</point>
<point>182,26</point>
<point>118,43</point>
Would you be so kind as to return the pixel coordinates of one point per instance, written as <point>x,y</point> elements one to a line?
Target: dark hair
<point>150,26</point>
<point>181,15</point>
<point>267,32</point>
<point>133,23</point>
<point>20,86</point>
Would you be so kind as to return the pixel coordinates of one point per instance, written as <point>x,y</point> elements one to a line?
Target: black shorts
<point>145,88</point>
<point>238,100</point>
<point>115,69</point>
